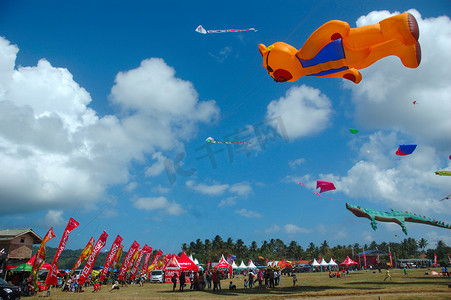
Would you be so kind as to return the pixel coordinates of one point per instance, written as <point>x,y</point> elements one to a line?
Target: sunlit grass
<point>359,284</point>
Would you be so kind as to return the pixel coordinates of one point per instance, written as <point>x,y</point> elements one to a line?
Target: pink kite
<point>325,185</point>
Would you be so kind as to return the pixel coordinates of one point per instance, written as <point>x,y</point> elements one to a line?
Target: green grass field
<point>357,285</point>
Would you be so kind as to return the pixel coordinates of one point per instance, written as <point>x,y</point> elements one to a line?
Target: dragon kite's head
<point>281,62</point>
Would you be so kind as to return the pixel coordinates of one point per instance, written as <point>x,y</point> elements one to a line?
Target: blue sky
<point>106,107</point>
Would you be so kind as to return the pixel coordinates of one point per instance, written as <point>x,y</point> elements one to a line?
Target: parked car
<point>8,291</point>
<point>157,276</point>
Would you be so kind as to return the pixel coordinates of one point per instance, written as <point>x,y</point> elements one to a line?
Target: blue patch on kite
<point>332,51</point>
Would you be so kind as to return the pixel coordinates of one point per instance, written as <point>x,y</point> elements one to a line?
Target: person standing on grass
<point>174,281</point>
<point>405,271</point>
<point>251,279</point>
<point>182,281</point>
<point>294,278</point>
<point>387,275</point>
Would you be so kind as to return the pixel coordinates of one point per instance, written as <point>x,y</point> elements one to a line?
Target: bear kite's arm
<point>350,74</point>
<point>322,36</point>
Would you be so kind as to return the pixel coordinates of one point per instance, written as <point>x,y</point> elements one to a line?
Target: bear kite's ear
<point>262,49</point>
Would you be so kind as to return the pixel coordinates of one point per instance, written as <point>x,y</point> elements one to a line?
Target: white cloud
<point>211,190</point>
<point>297,162</point>
<point>159,204</point>
<point>383,99</point>
<point>229,201</point>
<point>304,111</point>
<point>294,229</point>
<point>272,229</point>
<point>248,213</point>
<point>242,189</point>
<point>53,146</point>
<point>222,54</point>
<point>158,167</point>
<point>54,218</point>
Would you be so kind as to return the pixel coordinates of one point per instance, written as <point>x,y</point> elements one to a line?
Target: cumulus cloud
<point>297,162</point>
<point>54,218</point>
<point>272,229</point>
<point>242,189</point>
<point>248,213</point>
<point>304,110</point>
<point>294,229</point>
<point>160,204</point>
<point>383,100</point>
<point>54,147</point>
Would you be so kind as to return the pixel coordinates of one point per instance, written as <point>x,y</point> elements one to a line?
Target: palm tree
<point>422,243</point>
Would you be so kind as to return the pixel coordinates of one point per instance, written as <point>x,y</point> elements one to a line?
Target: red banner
<point>208,265</point>
<point>51,276</point>
<point>146,260</point>
<point>111,255</point>
<point>391,260</point>
<point>127,260</point>
<point>435,260</point>
<point>364,258</point>
<point>449,258</point>
<point>138,261</point>
<point>83,255</point>
<point>153,265</point>
<point>92,258</point>
<point>40,255</point>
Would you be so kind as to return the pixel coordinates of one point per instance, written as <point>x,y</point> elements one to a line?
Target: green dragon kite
<point>396,216</point>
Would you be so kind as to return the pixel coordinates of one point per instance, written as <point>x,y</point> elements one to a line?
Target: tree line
<point>274,249</point>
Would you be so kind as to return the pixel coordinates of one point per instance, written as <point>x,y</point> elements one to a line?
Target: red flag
<point>208,265</point>
<point>449,258</point>
<point>111,255</point>
<point>146,260</point>
<point>127,260</point>
<point>40,256</point>
<point>435,260</point>
<point>391,260</point>
<point>83,255</point>
<point>364,258</point>
<point>92,258</point>
<point>51,276</point>
<point>138,261</point>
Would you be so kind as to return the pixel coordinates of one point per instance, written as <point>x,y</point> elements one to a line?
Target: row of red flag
<point>89,254</point>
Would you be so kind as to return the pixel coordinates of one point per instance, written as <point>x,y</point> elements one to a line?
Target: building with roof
<point>372,257</point>
<point>16,246</point>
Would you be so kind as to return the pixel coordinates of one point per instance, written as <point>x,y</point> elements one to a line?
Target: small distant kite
<point>446,198</point>
<point>212,140</point>
<point>450,157</point>
<point>414,102</point>
<point>404,150</point>
<point>325,186</point>
<point>353,131</point>
<point>202,30</point>
<point>396,235</point>
<point>443,173</point>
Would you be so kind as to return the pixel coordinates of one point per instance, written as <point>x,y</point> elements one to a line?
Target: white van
<point>157,276</point>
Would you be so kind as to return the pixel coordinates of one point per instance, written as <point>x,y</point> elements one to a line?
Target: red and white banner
<point>127,260</point>
<point>146,260</point>
<point>435,260</point>
<point>391,260</point>
<point>51,276</point>
<point>449,258</point>
<point>40,255</point>
<point>111,255</point>
<point>208,265</point>
<point>153,265</point>
<point>92,258</point>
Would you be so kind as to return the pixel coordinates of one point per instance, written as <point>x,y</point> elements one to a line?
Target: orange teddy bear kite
<point>336,50</point>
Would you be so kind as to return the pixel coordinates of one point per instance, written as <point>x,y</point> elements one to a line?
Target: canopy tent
<point>251,265</point>
<point>332,262</point>
<point>234,266</point>
<point>324,263</point>
<point>186,263</point>
<point>196,262</point>
<point>45,266</point>
<point>172,267</point>
<point>224,264</point>
<point>242,266</point>
<point>315,263</point>
<point>348,261</point>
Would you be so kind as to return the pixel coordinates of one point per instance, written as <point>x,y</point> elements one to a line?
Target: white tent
<point>196,262</point>
<point>332,263</point>
<point>324,263</point>
<point>234,266</point>
<point>251,265</point>
<point>315,263</point>
<point>242,266</point>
